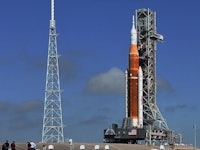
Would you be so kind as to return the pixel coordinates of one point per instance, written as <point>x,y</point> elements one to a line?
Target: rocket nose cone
<point>133,33</point>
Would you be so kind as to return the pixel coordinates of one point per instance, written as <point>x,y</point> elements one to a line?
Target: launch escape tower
<point>52,121</point>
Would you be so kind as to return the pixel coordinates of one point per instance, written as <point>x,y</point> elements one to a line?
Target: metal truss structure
<point>157,128</point>
<point>147,37</point>
<point>52,120</point>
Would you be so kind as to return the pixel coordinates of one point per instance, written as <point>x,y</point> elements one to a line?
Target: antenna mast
<point>52,9</point>
<point>52,120</point>
<point>52,21</point>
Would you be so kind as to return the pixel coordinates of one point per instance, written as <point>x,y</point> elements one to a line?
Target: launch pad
<point>143,119</point>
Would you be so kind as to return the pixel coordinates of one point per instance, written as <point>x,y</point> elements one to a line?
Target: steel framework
<point>52,120</point>
<point>147,37</point>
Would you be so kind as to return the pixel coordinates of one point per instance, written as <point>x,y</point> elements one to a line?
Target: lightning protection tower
<point>52,120</point>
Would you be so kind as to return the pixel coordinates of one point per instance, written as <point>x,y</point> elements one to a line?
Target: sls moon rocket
<point>134,81</point>
<point>132,128</point>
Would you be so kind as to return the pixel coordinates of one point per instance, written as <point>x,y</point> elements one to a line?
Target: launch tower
<point>147,37</point>
<point>52,120</point>
<point>156,125</point>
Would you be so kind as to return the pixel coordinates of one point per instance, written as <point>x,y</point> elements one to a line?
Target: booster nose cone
<point>140,74</point>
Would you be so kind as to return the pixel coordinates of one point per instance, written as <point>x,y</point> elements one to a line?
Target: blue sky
<point>93,41</point>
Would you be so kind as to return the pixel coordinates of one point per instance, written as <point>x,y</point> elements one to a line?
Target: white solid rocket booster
<point>140,97</point>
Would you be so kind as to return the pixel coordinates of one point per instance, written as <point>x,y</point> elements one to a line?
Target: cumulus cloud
<point>176,107</point>
<point>25,115</point>
<point>112,81</point>
<point>95,120</point>
<point>25,122</point>
<point>4,105</point>
<point>29,106</point>
<point>67,69</point>
<point>164,85</point>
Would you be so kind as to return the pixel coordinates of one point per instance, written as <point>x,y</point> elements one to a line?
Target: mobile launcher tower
<point>143,120</point>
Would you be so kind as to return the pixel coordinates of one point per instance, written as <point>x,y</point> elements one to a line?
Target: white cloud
<point>112,81</point>
<point>29,106</point>
<point>164,85</point>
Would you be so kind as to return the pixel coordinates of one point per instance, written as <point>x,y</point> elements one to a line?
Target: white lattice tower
<point>52,121</point>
